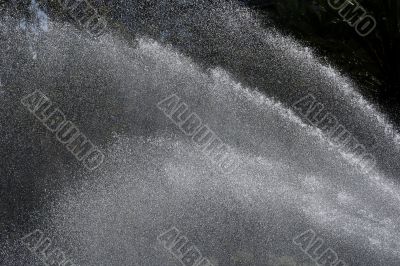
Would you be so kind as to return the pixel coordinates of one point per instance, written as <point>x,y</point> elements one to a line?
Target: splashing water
<point>290,178</point>
<point>34,26</point>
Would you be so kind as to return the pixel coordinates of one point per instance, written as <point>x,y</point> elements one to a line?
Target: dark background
<point>373,61</point>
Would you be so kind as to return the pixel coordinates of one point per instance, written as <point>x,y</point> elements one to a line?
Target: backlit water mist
<point>241,79</point>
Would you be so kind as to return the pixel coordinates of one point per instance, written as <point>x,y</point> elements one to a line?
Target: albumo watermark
<point>66,132</point>
<point>45,250</point>
<point>355,15</point>
<point>204,138</point>
<point>85,15</point>
<point>314,247</point>
<point>317,115</point>
<point>180,246</point>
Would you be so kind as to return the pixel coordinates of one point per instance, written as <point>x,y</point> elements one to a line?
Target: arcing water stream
<point>241,80</point>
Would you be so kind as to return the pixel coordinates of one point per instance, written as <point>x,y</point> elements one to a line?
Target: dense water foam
<point>290,177</point>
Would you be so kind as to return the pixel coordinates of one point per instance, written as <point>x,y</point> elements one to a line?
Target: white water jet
<point>290,176</point>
